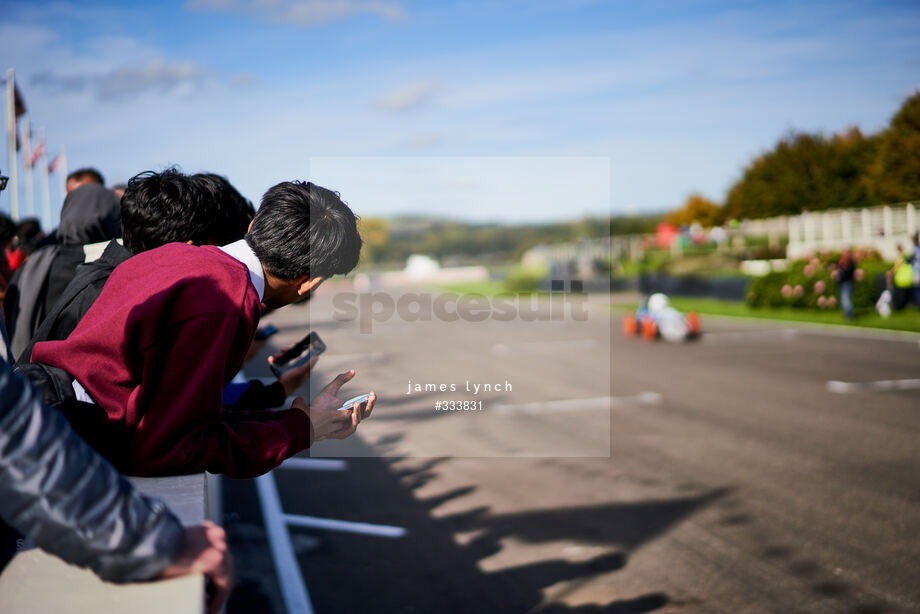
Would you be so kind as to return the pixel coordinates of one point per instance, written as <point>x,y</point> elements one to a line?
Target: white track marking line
<point>876,386</point>
<point>293,588</point>
<point>363,528</point>
<point>315,464</point>
<point>569,405</point>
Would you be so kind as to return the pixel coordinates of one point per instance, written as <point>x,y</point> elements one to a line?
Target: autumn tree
<point>805,171</point>
<point>894,175</point>
<point>375,233</point>
<point>697,208</point>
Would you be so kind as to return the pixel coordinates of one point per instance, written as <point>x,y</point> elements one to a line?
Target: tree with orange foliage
<point>697,208</point>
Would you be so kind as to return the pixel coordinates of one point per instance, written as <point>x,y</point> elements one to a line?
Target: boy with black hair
<point>173,325</point>
<point>159,208</point>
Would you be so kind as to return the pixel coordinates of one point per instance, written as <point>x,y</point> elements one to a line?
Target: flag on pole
<point>55,163</point>
<point>37,153</point>
<point>19,102</point>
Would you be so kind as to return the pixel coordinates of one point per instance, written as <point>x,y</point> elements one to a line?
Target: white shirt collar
<point>241,251</point>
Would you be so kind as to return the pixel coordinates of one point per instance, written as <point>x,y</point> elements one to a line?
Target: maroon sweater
<point>169,331</point>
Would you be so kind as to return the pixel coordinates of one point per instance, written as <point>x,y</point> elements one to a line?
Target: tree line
<point>814,172</point>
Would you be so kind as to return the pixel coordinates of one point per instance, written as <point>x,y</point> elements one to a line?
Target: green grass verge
<point>906,320</point>
<point>488,288</point>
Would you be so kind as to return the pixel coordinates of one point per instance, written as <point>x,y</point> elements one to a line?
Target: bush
<point>808,284</point>
<point>524,280</point>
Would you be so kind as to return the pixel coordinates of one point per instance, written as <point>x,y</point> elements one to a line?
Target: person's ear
<point>306,284</point>
<point>248,228</point>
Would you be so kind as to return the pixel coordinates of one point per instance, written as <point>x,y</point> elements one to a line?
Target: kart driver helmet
<point>657,302</point>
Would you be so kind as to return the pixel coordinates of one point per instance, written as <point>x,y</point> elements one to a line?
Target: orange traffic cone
<point>649,328</point>
<point>630,325</point>
<point>694,324</point>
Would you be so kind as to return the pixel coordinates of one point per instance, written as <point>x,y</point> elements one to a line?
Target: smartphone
<point>265,332</point>
<point>361,398</point>
<point>299,355</point>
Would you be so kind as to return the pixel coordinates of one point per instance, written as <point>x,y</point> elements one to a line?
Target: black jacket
<point>58,491</point>
<point>77,297</point>
<point>90,214</point>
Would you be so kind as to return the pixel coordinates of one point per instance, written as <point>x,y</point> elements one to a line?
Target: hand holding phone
<point>329,417</point>
<point>298,355</point>
<point>361,398</point>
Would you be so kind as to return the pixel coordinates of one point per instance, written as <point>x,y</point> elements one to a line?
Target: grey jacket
<point>58,491</point>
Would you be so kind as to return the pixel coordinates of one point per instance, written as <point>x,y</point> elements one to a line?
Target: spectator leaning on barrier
<point>172,326</point>
<point>57,491</point>
<point>90,214</point>
<point>160,208</point>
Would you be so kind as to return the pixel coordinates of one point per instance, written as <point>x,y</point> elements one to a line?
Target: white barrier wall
<point>881,228</point>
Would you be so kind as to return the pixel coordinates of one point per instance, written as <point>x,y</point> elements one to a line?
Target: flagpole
<point>11,133</point>
<point>46,190</point>
<point>27,166</point>
<point>62,174</point>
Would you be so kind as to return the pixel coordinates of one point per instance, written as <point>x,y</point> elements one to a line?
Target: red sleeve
<point>184,428</point>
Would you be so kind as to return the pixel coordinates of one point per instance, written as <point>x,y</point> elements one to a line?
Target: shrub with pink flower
<point>822,302</point>
<point>832,302</point>
<point>820,287</point>
<point>858,274</point>
<point>797,291</point>
<point>786,291</point>
<point>809,270</point>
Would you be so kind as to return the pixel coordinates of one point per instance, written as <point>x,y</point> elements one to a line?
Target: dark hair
<point>86,173</point>
<point>28,234</point>
<point>7,231</point>
<point>169,206</point>
<point>304,229</point>
<point>223,192</point>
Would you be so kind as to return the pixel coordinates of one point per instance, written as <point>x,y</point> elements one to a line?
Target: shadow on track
<point>429,571</point>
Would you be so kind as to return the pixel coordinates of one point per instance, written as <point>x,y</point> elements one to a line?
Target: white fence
<point>882,228</point>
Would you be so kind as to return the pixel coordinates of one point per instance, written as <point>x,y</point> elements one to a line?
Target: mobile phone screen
<point>299,354</point>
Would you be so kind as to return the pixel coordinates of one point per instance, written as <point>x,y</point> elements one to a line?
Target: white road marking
<point>315,464</point>
<point>876,386</point>
<point>569,405</point>
<point>542,347</point>
<point>293,588</point>
<point>363,528</point>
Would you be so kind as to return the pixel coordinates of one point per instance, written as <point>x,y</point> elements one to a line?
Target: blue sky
<point>509,111</point>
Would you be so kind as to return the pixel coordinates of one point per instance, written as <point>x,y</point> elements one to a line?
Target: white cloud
<point>423,141</point>
<point>155,75</point>
<point>406,98</point>
<point>129,80</point>
<point>302,12</point>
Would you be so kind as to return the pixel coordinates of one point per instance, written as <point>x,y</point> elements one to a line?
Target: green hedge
<point>808,284</point>
<point>524,280</point>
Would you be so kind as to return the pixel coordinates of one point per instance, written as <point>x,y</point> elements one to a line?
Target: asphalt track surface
<point>720,476</point>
